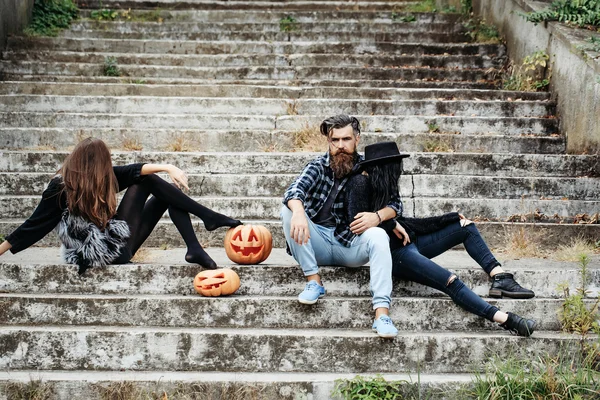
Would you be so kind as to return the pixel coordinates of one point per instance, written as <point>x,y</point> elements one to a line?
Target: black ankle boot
<point>505,285</point>
<point>519,325</point>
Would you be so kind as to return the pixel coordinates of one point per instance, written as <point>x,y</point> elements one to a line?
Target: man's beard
<point>342,163</point>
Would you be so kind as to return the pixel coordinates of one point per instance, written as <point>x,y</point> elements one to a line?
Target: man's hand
<point>299,228</point>
<point>401,233</point>
<point>363,221</point>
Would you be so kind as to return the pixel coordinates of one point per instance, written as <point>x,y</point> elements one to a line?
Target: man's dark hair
<point>340,121</point>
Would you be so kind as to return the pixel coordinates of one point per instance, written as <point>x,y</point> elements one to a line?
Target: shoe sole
<point>498,294</point>
<point>309,302</point>
<point>385,336</point>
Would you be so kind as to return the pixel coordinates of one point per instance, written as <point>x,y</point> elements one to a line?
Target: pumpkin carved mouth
<point>246,251</point>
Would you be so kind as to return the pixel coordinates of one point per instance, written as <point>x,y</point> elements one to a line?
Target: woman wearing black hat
<point>414,241</point>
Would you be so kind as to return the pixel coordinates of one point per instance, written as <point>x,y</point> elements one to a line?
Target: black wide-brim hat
<point>382,153</point>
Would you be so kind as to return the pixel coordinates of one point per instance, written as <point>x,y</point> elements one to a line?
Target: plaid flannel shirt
<point>313,186</point>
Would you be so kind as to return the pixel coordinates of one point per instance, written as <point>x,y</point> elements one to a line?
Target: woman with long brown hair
<point>81,203</point>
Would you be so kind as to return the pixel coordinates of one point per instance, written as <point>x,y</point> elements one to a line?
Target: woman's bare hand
<point>401,233</point>
<point>178,177</point>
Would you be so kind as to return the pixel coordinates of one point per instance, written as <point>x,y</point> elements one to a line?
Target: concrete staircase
<point>237,87</point>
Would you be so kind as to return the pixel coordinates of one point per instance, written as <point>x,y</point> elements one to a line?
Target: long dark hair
<point>384,182</point>
<point>90,183</point>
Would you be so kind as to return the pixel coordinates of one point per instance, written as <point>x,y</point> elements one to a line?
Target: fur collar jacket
<point>86,245</point>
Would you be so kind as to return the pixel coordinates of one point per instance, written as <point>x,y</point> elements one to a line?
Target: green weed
<point>376,388</point>
<point>51,16</point>
<point>529,76</point>
<point>574,12</point>
<point>423,6</point>
<point>110,67</point>
<point>126,15</point>
<point>566,376</point>
<point>288,24</point>
<point>480,32</point>
<point>403,18</point>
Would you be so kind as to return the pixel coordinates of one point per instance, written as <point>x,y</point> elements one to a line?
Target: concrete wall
<point>574,75</point>
<point>14,16</point>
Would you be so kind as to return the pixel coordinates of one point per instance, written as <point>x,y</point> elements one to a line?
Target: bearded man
<point>316,229</point>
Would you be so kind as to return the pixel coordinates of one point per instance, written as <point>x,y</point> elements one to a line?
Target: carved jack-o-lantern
<point>248,244</point>
<point>217,282</point>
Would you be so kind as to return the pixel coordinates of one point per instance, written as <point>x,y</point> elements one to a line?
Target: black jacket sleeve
<point>45,217</point>
<point>128,175</point>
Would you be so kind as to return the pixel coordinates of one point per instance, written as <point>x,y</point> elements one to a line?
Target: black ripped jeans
<point>412,262</point>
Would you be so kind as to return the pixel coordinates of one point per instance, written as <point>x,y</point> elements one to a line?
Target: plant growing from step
<point>32,390</point>
<point>529,76</point>
<point>51,16</point>
<point>575,12</point>
<point>574,315</point>
<point>565,376</point>
<point>480,32</point>
<point>424,6</point>
<point>106,14</point>
<point>403,18</point>
<point>110,67</point>
<point>288,24</point>
<point>308,138</point>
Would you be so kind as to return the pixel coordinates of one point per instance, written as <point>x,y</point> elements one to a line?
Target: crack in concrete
<point>412,194</point>
<point>201,186</point>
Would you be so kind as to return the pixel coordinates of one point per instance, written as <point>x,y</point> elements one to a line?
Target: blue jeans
<point>413,263</point>
<point>324,249</point>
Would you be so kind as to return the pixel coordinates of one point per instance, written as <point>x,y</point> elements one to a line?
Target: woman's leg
<point>409,264</point>
<point>142,217</point>
<point>174,197</point>
<point>436,243</point>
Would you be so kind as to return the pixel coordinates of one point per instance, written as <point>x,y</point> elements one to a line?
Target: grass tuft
<point>308,138</point>
<point>32,390</point>
<point>131,144</point>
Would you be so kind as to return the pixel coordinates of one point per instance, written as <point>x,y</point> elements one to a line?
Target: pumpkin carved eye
<point>248,244</point>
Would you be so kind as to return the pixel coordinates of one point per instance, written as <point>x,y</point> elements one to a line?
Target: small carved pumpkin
<point>217,282</point>
<point>248,244</point>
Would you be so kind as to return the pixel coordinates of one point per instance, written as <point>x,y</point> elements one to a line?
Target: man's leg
<point>310,255</point>
<point>373,246</point>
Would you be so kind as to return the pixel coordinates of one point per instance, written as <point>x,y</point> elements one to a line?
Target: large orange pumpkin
<point>248,244</point>
<point>217,282</point>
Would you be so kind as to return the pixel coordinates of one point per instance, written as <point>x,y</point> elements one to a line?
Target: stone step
<point>41,271</point>
<point>409,314</point>
<point>407,124</point>
<point>273,26</point>
<point>261,350</point>
<point>279,60</point>
<point>259,140</point>
<point>86,384</point>
<point>256,91</point>
<point>385,5</point>
<point>274,163</point>
<point>276,36</point>
<point>496,234</point>
<point>234,47</point>
<point>248,208</point>
<point>185,82</point>
<point>333,16</point>
<point>251,73</point>
<point>273,107</point>
<point>255,184</point>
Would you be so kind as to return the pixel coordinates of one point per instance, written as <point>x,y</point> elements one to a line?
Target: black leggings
<point>144,204</point>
